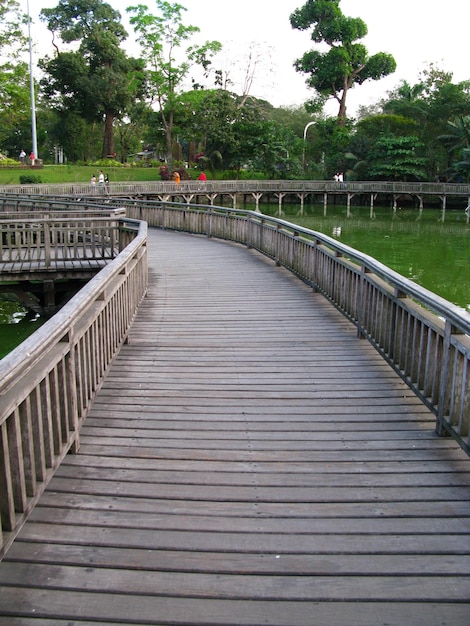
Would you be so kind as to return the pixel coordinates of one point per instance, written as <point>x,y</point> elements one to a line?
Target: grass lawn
<point>52,174</point>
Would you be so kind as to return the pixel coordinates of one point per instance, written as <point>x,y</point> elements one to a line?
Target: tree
<point>434,104</point>
<point>162,37</point>
<point>397,158</point>
<point>347,63</point>
<point>97,81</point>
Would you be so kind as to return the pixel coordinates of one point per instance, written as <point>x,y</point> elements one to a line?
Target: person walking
<point>202,178</point>
<point>22,157</point>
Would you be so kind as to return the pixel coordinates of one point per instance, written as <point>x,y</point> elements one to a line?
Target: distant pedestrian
<point>32,158</point>
<point>22,157</point>
<point>101,181</point>
<point>176,177</point>
<point>202,178</point>
<point>93,183</point>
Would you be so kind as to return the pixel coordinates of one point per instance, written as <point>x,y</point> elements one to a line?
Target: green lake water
<point>420,246</point>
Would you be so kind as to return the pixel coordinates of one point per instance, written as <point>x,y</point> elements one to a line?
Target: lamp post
<point>307,126</point>
<point>31,82</point>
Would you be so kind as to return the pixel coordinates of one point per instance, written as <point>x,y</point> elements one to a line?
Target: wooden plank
<point>239,586</point>
<point>157,610</point>
<point>228,562</point>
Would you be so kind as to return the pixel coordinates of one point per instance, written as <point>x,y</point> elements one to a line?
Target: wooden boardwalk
<point>248,461</point>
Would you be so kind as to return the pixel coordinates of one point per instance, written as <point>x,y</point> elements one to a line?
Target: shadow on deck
<point>248,461</point>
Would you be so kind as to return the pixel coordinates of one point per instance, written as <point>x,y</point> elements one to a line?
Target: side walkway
<point>248,461</point>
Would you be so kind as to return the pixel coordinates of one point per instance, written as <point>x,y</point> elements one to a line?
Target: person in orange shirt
<point>176,177</point>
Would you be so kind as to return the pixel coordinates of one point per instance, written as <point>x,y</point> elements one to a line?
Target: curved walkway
<point>248,461</point>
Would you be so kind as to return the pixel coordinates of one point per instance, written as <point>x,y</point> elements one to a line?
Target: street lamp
<point>305,137</point>
<point>31,83</point>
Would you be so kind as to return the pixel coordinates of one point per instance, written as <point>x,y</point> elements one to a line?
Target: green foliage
<point>461,169</point>
<point>434,104</point>
<point>14,76</point>
<point>30,179</point>
<point>98,81</point>
<point>333,72</point>
<point>12,37</point>
<point>107,163</point>
<point>162,37</point>
<point>397,158</point>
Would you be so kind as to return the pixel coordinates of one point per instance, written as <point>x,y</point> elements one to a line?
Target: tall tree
<point>397,158</point>
<point>162,38</point>
<point>433,103</point>
<point>99,81</point>
<point>346,63</point>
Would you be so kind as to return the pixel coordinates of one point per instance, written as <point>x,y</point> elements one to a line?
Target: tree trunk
<point>342,106</point>
<point>168,125</point>
<point>108,137</point>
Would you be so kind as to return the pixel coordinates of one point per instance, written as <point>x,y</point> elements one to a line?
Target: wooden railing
<point>425,338</point>
<point>49,241</point>
<point>48,383</point>
<point>162,188</point>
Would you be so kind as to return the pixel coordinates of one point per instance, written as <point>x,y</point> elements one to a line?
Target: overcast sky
<point>415,32</point>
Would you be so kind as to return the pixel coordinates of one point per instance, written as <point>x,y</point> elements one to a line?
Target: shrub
<point>107,163</point>
<point>30,179</point>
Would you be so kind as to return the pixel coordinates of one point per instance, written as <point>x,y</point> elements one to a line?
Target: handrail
<point>46,241</point>
<point>48,383</point>
<point>237,186</point>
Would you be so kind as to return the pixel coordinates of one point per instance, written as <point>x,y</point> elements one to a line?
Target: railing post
<point>444,372</point>
<point>444,379</point>
<point>47,243</point>
<point>360,305</point>
<point>278,244</point>
<point>209,222</point>
<point>72,399</point>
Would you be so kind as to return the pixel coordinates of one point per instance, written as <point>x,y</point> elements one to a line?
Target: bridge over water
<point>250,457</point>
<point>238,193</point>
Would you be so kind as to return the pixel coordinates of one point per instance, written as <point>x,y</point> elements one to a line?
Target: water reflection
<point>416,244</point>
<point>16,323</point>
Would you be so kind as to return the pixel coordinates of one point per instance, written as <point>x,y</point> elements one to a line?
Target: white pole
<point>305,138</point>
<point>31,81</point>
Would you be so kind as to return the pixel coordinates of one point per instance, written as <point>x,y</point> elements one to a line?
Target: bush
<point>30,179</point>
<point>106,163</point>
<point>7,162</point>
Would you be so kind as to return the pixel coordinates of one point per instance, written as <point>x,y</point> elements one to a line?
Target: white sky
<point>415,32</point>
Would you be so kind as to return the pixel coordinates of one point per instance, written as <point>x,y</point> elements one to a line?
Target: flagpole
<point>31,80</point>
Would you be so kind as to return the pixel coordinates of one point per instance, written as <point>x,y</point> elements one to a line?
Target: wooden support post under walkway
<point>247,461</point>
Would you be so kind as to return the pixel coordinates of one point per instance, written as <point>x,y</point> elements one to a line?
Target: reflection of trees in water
<point>16,323</point>
<point>11,311</point>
